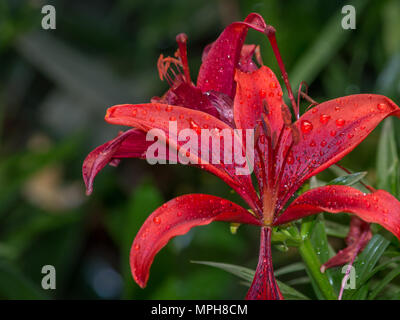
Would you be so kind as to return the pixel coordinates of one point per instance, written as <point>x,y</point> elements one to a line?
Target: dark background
<point>55,86</point>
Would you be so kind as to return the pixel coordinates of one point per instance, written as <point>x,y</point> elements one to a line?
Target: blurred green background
<point>55,86</point>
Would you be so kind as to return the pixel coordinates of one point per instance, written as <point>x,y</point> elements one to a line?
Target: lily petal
<point>175,218</point>
<point>264,286</point>
<point>259,93</point>
<point>255,92</point>
<point>129,144</point>
<point>158,116</point>
<point>356,240</point>
<point>328,132</point>
<point>219,62</point>
<point>186,95</point>
<point>377,207</point>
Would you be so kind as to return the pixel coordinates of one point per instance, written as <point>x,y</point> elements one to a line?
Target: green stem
<point>313,265</point>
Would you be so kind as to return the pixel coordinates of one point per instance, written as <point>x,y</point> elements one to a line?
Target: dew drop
<point>194,126</point>
<point>324,118</point>
<point>306,126</point>
<point>157,220</point>
<point>272,85</point>
<point>323,143</point>
<point>168,108</point>
<point>134,112</point>
<point>381,106</point>
<point>340,122</point>
<point>137,247</point>
<point>333,133</point>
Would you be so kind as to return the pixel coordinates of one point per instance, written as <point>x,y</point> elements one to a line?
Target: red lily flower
<point>233,93</point>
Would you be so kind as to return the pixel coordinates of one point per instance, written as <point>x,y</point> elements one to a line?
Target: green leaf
<point>371,254</point>
<point>247,274</point>
<point>387,160</point>
<point>336,229</point>
<point>382,283</point>
<point>239,271</point>
<point>340,173</point>
<point>324,251</point>
<point>348,180</point>
<point>365,263</point>
<point>294,267</point>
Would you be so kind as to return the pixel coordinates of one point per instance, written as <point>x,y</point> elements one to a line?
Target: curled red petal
<point>328,132</point>
<point>377,207</point>
<point>186,95</point>
<point>158,116</point>
<point>175,218</point>
<point>131,143</point>
<point>356,240</point>
<point>246,63</point>
<point>264,286</point>
<point>219,62</point>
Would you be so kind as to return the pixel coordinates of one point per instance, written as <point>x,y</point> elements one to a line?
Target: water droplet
<point>306,126</point>
<point>312,144</point>
<point>195,126</point>
<point>157,220</point>
<point>323,143</point>
<point>137,247</point>
<point>134,112</point>
<point>333,133</point>
<point>290,159</point>
<point>168,108</point>
<point>340,122</point>
<point>144,112</point>
<point>172,118</point>
<point>324,118</point>
<point>381,106</point>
